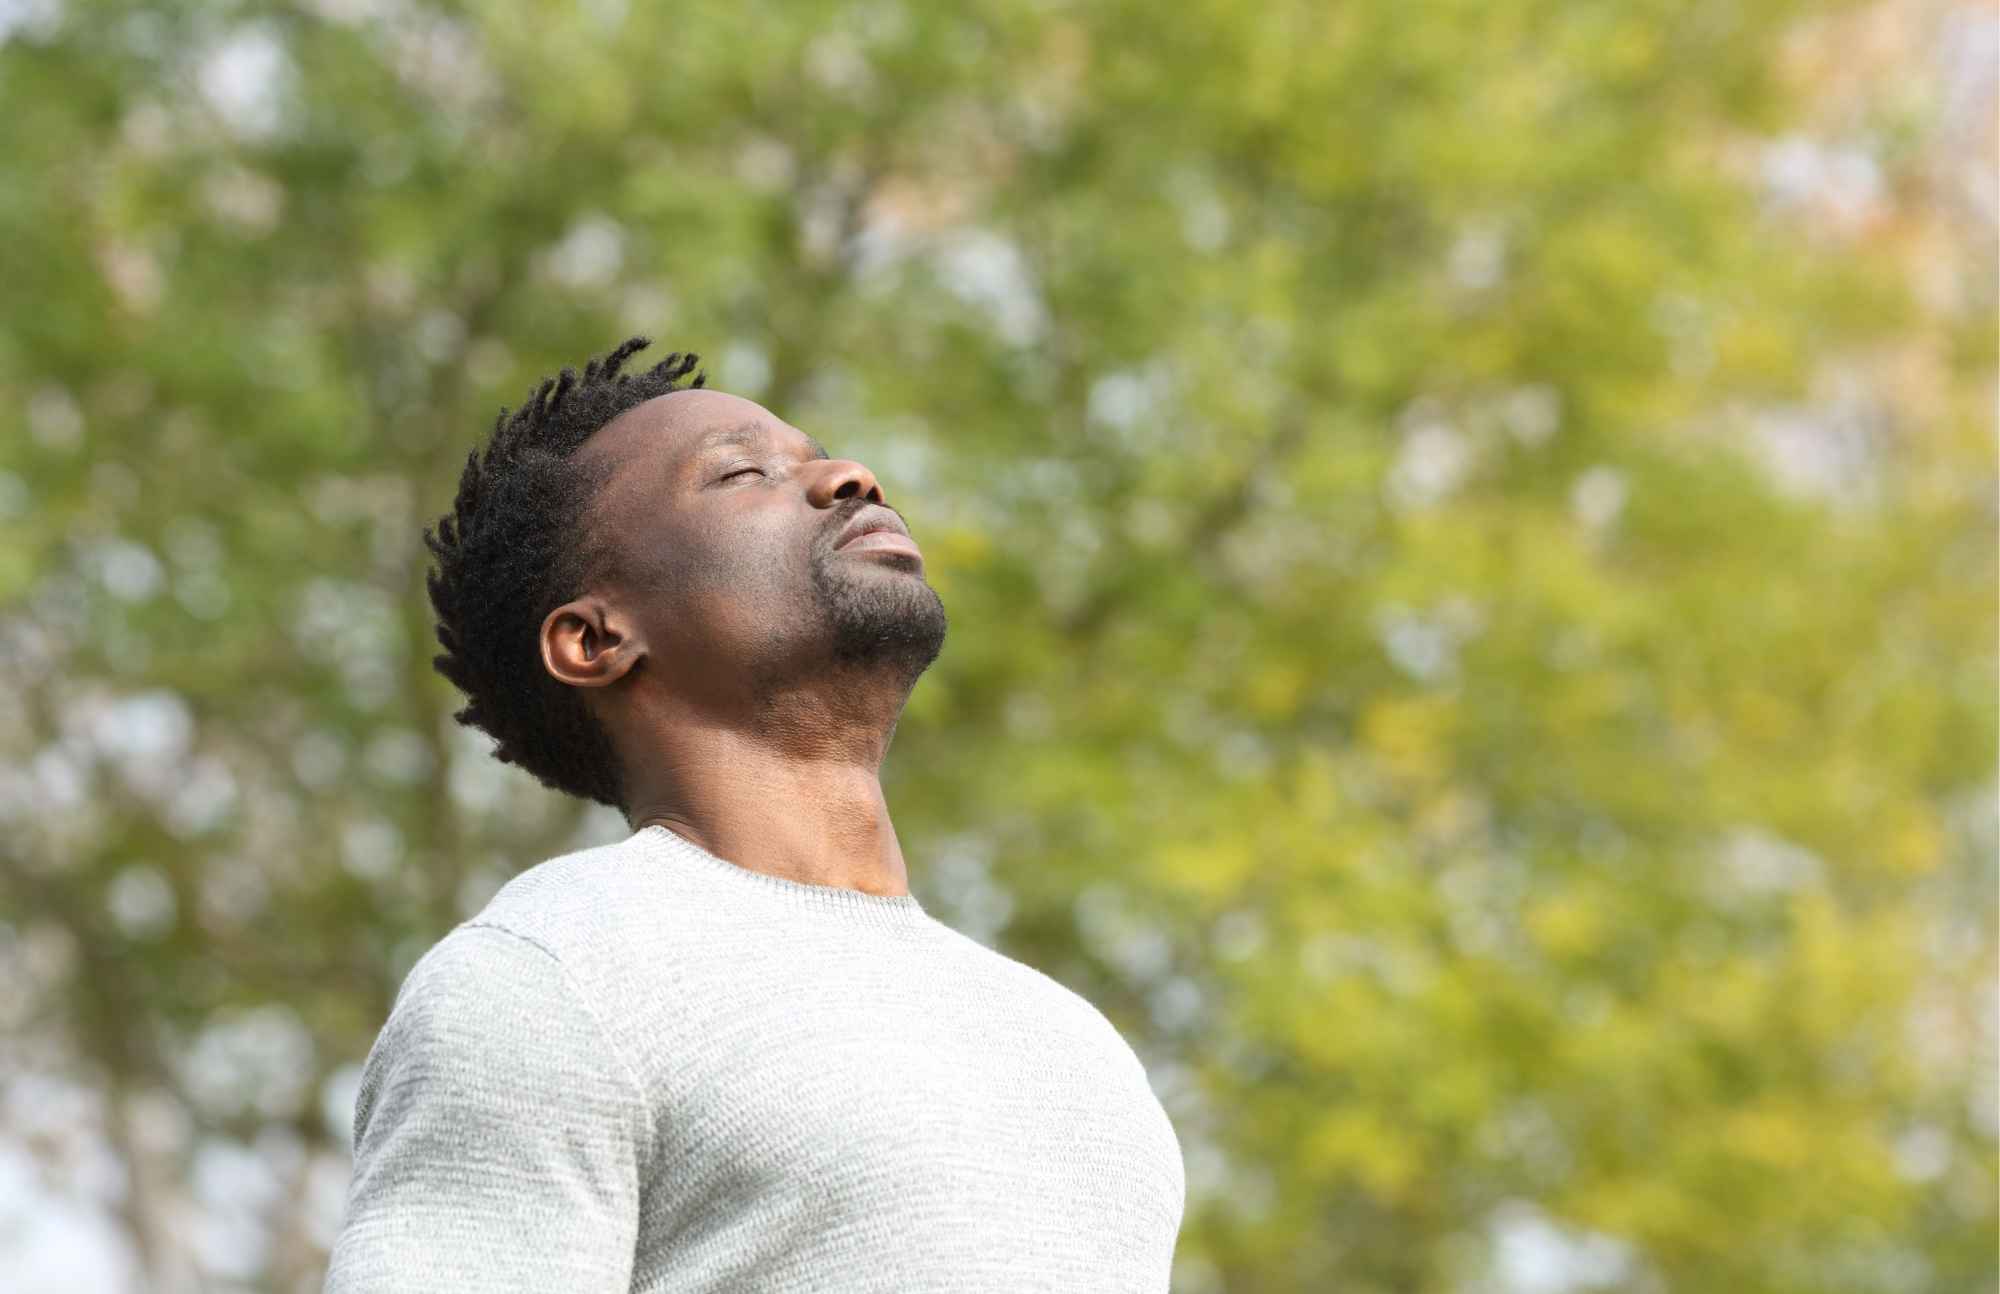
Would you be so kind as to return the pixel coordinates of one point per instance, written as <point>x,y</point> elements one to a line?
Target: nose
<point>843,478</point>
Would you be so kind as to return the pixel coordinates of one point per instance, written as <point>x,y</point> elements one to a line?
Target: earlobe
<point>585,644</point>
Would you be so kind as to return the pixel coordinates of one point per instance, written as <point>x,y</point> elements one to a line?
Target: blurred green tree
<point>1469,532</point>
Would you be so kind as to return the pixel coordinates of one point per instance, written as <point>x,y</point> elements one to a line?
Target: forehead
<point>679,428</point>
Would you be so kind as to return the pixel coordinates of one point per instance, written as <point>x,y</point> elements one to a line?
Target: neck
<point>793,792</point>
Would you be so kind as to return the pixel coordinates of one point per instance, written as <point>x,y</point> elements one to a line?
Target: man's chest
<point>846,1096</point>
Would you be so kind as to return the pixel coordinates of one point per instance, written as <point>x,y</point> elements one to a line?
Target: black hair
<point>513,548</point>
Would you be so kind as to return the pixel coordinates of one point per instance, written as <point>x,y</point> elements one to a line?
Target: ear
<point>585,643</point>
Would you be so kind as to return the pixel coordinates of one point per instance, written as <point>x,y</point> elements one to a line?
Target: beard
<point>885,622</point>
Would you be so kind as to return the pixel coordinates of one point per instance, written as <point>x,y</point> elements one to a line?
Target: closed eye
<point>730,475</point>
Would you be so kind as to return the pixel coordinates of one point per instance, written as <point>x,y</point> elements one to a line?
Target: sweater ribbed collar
<point>883,911</point>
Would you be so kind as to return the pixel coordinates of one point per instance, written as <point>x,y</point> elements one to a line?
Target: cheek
<point>736,574</point>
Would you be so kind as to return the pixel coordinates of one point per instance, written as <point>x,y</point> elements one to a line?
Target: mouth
<point>878,530</point>
<point>882,541</point>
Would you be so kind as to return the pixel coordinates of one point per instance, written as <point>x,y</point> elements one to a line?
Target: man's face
<point>736,543</point>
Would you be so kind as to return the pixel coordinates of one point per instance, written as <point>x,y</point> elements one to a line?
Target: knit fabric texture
<point>645,1068</point>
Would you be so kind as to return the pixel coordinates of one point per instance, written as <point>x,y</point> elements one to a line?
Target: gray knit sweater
<point>645,1068</point>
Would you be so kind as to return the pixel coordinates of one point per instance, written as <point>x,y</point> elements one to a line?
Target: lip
<point>881,541</point>
<point>878,531</point>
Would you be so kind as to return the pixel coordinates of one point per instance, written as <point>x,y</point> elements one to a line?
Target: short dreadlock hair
<point>510,551</point>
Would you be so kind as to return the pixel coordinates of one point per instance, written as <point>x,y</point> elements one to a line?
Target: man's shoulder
<point>582,904</point>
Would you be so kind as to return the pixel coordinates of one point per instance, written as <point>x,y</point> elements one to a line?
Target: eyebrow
<point>749,433</point>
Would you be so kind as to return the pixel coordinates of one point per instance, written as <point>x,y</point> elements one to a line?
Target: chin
<point>895,623</point>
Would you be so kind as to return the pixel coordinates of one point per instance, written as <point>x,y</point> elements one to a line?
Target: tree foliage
<point>1469,532</point>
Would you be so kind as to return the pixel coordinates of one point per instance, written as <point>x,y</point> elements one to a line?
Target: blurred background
<point>1507,730</point>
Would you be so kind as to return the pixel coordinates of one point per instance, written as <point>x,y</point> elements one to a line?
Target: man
<point>732,1051</point>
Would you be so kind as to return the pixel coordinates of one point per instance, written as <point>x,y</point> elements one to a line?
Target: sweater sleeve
<point>497,1135</point>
